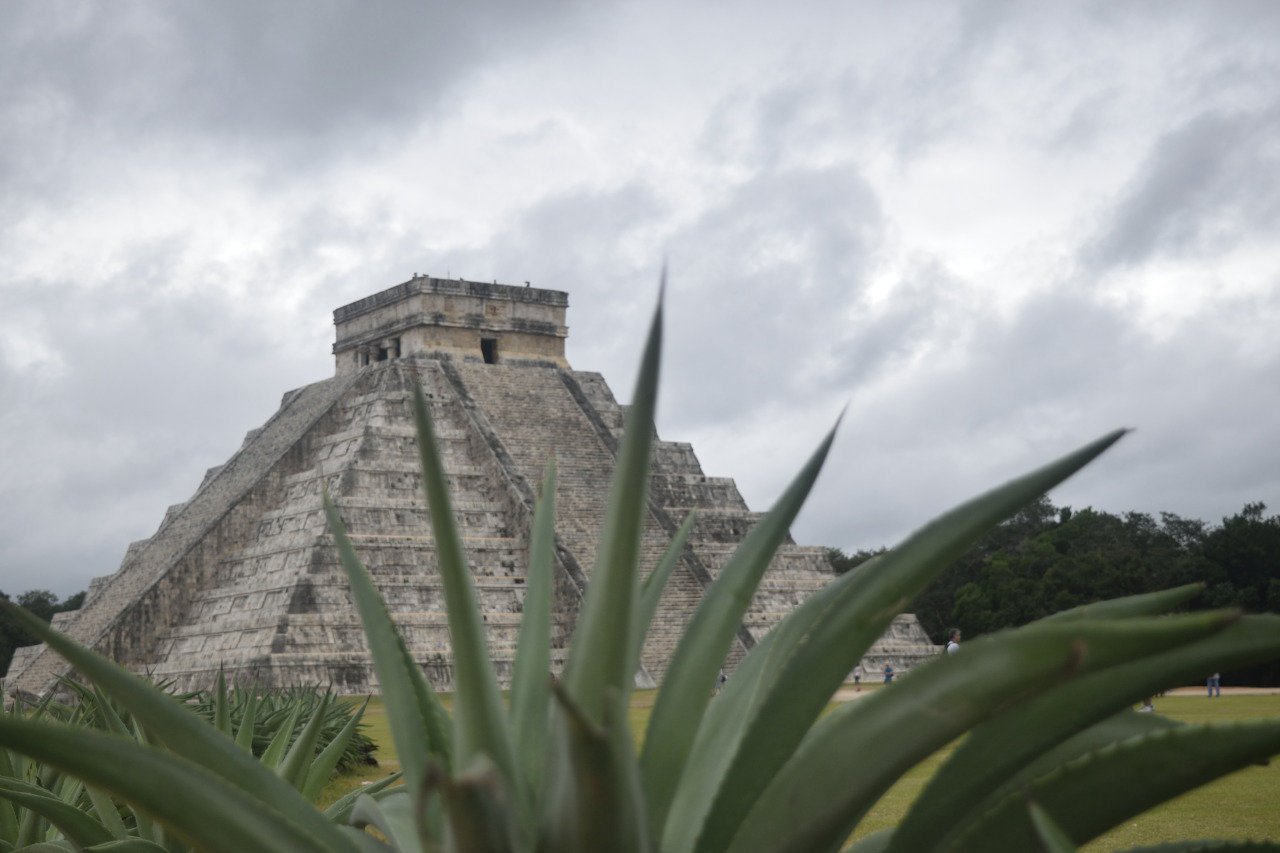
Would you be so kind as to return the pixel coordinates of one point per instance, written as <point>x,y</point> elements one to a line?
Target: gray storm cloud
<point>992,231</point>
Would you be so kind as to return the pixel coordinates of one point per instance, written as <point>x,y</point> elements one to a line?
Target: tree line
<point>42,603</point>
<point>1048,558</point>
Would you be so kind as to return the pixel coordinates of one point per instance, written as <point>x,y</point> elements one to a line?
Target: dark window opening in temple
<point>489,349</point>
<point>391,349</point>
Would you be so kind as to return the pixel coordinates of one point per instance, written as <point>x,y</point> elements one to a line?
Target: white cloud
<point>994,230</point>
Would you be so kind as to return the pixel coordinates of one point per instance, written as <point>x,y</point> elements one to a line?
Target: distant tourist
<point>1215,689</point>
<point>1147,706</point>
<point>953,641</point>
<point>857,678</point>
<point>888,673</point>
<point>720,680</point>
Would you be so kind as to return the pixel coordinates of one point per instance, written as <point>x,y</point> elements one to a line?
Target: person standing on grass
<point>857,678</point>
<point>888,673</point>
<point>1215,687</point>
<point>953,641</point>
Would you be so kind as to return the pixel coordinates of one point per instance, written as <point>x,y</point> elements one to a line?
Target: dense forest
<point>1048,558</point>
<point>42,603</point>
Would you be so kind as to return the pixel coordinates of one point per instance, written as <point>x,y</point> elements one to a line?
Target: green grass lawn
<point>1243,805</point>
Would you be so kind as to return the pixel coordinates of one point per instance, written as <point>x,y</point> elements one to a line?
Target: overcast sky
<point>994,230</point>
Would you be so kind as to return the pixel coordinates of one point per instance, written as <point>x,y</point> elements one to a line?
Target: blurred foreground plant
<point>299,733</point>
<point>1053,757</point>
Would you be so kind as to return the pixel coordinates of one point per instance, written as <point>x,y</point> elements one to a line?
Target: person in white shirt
<point>953,641</point>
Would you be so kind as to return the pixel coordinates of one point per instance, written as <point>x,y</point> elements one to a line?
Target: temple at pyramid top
<point>494,323</point>
<point>244,577</point>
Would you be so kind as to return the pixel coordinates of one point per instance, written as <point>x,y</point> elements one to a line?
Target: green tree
<point>1246,547</point>
<point>40,602</point>
<point>842,562</point>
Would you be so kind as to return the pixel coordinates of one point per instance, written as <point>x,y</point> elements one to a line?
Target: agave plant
<point>1051,759</point>
<point>303,736</point>
<point>269,722</point>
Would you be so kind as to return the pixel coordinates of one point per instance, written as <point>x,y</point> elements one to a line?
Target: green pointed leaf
<point>107,814</point>
<point>1052,838</point>
<point>785,681</point>
<point>325,763</point>
<point>340,811</point>
<point>221,710</point>
<point>652,588</point>
<point>1124,725</point>
<point>1091,795</point>
<point>297,763</point>
<point>31,826</point>
<point>204,809</point>
<point>274,753</point>
<point>707,638</point>
<point>9,770</point>
<point>480,720</point>
<point>594,802</point>
<point>1146,604</point>
<point>598,653</point>
<point>419,724</point>
<point>531,671</point>
<point>8,822</point>
<point>110,717</point>
<point>855,754</point>
<point>249,721</point>
<point>127,845</point>
<point>70,820</point>
<point>185,734</point>
<point>994,752</point>
<point>876,842</point>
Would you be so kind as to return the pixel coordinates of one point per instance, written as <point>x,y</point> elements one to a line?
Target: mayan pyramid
<point>245,577</point>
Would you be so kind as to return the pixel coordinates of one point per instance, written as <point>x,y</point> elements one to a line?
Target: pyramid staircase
<point>245,577</point>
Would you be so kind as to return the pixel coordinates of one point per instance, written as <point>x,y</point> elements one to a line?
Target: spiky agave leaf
<point>419,724</point>
<point>204,809</point>
<point>785,681</point>
<point>77,826</point>
<point>589,721</point>
<point>652,588</point>
<point>592,799</point>
<point>531,670</point>
<point>182,732</point>
<point>854,754</point>
<point>1052,838</point>
<point>1094,793</point>
<point>701,650</point>
<point>598,660</point>
<point>995,752</point>
<point>480,720</point>
<point>327,761</point>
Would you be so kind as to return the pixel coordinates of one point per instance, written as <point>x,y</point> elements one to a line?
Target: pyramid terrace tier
<point>245,574</point>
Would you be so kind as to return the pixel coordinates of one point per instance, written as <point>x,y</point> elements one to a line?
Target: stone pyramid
<point>244,576</point>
